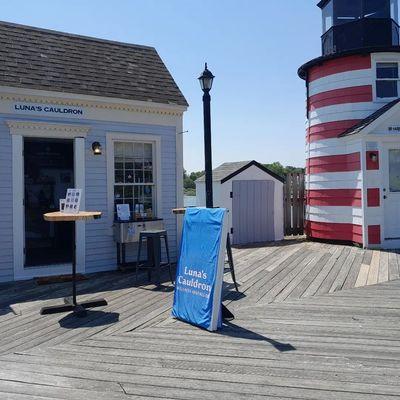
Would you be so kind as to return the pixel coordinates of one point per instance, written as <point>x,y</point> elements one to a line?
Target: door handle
<point>384,197</point>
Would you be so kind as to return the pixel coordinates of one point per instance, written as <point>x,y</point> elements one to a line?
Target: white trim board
<point>18,206</point>
<point>46,129</point>
<point>73,99</point>
<point>179,179</point>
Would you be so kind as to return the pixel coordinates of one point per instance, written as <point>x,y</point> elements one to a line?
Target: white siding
<point>361,77</point>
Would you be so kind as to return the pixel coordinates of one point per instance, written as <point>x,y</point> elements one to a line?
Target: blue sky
<point>253,47</point>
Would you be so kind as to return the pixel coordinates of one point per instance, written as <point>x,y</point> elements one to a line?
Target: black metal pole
<point>74,302</point>
<point>207,148</point>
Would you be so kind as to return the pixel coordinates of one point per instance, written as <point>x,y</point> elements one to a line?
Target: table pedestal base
<point>70,303</point>
<point>79,308</point>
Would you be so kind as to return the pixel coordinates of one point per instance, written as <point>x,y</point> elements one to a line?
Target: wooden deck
<point>306,327</point>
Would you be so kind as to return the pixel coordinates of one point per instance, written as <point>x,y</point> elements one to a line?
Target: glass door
<point>392,194</point>
<point>48,172</point>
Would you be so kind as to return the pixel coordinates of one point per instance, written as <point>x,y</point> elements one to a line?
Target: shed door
<point>253,211</point>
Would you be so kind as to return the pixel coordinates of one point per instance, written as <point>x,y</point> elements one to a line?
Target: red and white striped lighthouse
<point>352,141</point>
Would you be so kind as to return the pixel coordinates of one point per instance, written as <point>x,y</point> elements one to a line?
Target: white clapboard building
<point>88,113</point>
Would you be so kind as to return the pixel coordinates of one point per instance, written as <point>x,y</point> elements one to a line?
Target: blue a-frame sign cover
<point>198,286</point>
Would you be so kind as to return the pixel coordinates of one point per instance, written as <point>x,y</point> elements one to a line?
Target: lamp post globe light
<point>206,81</point>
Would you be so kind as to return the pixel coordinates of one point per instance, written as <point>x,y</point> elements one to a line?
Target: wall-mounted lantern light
<point>96,147</point>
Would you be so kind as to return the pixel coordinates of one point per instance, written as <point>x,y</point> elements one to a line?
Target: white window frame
<point>155,140</point>
<point>376,61</point>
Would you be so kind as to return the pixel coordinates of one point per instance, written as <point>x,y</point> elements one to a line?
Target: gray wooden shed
<point>254,197</point>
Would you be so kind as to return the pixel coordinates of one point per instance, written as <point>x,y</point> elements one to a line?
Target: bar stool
<point>153,239</point>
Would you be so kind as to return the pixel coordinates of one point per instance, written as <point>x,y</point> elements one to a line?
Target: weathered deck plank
<point>305,344</point>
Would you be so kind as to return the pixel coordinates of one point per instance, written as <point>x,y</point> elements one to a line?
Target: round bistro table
<point>70,303</point>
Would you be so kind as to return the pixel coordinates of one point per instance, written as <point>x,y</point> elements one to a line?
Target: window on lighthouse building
<point>376,9</point>
<point>348,11</point>
<point>327,17</point>
<point>394,10</point>
<point>387,78</point>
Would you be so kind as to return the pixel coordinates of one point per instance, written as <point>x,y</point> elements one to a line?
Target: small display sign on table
<point>72,201</point>
<point>123,212</point>
<point>198,286</point>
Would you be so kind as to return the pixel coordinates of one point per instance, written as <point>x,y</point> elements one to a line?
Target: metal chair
<point>153,263</point>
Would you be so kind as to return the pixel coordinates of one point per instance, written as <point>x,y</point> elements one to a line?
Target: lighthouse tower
<point>353,125</point>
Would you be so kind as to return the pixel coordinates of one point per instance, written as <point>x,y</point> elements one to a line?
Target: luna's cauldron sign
<point>48,109</point>
<point>200,270</point>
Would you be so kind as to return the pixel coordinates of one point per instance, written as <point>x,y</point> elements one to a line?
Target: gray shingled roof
<point>229,169</point>
<point>357,128</point>
<point>224,170</point>
<point>48,60</point>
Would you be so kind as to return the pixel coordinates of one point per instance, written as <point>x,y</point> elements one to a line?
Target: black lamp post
<point>206,81</point>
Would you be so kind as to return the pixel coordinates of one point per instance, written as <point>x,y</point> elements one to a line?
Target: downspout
<point>308,127</point>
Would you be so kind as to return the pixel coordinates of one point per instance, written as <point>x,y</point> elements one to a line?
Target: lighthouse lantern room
<point>353,125</point>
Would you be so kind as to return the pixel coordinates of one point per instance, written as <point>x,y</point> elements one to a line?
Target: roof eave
<point>302,71</point>
<point>370,126</point>
<point>18,91</point>
<point>256,164</point>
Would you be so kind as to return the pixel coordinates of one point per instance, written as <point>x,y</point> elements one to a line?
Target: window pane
<point>148,151</point>
<point>128,150</point>
<point>347,11</point>
<point>137,192</point>
<point>119,149</point>
<point>148,202</point>
<point>139,164</point>
<point>394,170</point>
<point>129,176</point>
<point>119,163</point>
<point>386,89</point>
<point>119,176</point>
<point>139,176</point>
<point>148,190</point>
<point>148,176</point>
<point>118,192</point>
<point>148,207</point>
<point>394,10</point>
<point>148,165</point>
<point>387,70</point>
<point>138,150</point>
<point>128,192</point>
<point>377,9</point>
<point>129,164</point>
<point>327,17</point>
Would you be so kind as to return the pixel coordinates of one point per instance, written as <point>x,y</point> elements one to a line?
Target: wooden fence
<point>294,204</point>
